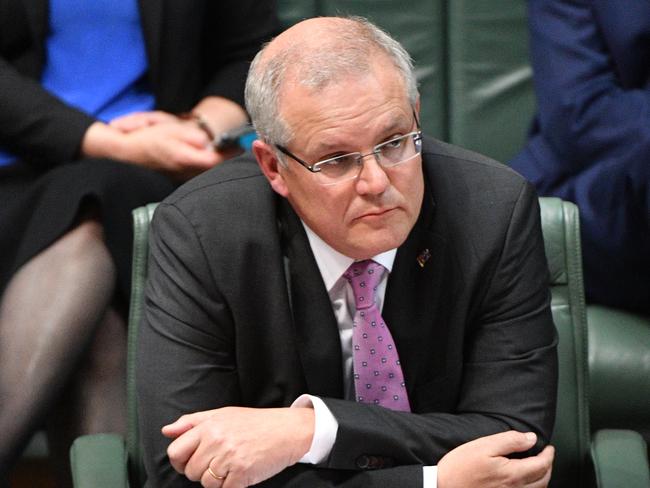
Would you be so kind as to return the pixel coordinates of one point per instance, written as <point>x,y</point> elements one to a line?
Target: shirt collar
<point>332,264</point>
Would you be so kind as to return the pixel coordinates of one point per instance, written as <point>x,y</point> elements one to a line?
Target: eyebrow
<point>326,148</point>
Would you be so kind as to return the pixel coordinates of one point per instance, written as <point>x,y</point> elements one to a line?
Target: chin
<point>376,244</point>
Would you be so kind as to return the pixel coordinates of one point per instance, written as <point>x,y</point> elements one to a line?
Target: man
<point>257,299</point>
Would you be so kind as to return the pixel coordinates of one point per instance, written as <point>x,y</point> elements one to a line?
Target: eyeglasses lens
<point>389,153</point>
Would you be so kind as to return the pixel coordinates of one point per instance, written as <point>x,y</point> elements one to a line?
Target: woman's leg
<point>95,399</point>
<point>48,314</point>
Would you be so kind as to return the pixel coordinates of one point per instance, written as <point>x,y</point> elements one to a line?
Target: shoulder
<point>475,198</point>
<point>454,174</point>
<point>236,183</point>
<point>455,161</point>
<point>225,202</point>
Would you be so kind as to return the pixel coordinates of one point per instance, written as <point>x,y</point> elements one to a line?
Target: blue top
<point>96,59</point>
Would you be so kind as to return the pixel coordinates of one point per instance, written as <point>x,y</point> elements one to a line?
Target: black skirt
<point>38,206</point>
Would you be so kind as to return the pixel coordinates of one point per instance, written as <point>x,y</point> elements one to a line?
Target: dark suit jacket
<point>590,142</point>
<point>195,48</point>
<point>237,314</point>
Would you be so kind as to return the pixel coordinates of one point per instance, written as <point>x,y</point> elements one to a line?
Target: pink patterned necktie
<point>378,377</point>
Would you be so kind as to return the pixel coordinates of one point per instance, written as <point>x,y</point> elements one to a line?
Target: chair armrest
<point>98,461</point>
<point>620,459</point>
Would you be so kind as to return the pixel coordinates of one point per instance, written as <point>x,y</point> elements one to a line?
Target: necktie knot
<point>364,276</point>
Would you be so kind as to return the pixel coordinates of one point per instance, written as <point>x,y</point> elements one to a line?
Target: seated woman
<point>87,133</point>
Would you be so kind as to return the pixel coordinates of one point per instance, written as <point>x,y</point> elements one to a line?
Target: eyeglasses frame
<point>315,168</point>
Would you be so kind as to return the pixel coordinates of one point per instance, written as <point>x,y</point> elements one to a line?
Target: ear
<point>417,107</point>
<point>270,166</point>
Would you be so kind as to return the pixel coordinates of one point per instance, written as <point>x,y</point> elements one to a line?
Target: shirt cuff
<point>429,476</point>
<point>325,429</point>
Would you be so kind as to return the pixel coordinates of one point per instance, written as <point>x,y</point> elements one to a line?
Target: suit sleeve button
<point>363,462</point>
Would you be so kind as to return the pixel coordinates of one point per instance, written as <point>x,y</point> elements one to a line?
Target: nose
<point>372,179</point>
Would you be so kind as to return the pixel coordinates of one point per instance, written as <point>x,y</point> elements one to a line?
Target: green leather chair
<point>421,27</point>
<point>476,91</point>
<point>490,102</point>
<point>619,457</point>
<point>108,460</point>
<point>619,368</point>
<point>490,92</point>
<point>571,436</point>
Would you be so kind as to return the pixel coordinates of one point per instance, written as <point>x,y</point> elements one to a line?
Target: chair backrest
<point>571,436</point>
<point>420,25</point>
<point>471,59</point>
<point>490,92</point>
<point>141,219</point>
<point>560,226</point>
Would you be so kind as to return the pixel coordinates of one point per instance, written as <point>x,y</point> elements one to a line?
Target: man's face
<point>375,212</point>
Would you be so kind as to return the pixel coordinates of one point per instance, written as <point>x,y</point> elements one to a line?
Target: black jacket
<point>237,314</point>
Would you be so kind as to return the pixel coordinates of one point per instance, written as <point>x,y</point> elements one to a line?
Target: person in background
<point>104,106</point>
<point>590,139</point>
<point>360,306</point>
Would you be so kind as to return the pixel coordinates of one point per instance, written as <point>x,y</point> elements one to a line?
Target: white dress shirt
<point>332,264</point>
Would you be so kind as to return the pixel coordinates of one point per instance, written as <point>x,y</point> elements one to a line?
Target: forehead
<point>351,107</point>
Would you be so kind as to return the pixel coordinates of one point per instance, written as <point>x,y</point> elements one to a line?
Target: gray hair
<point>350,51</point>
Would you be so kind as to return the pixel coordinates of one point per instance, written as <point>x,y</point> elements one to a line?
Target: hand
<point>138,120</point>
<point>221,114</point>
<point>244,445</point>
<point>482,462</point>
<point>163,142</point>
<point>178,148</point>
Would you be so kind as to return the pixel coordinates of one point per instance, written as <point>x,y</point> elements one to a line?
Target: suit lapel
<point>313,319</point>
<point>414,307</point>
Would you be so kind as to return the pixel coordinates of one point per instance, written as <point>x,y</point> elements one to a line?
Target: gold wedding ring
<point>215,476</point>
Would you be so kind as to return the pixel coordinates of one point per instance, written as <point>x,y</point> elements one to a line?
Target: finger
<point>189,157</point>
<point>185,422</point>
<point>201,460</point>
<point>130,122</point>
<point>194,136</point>
<point>124,125</point>
<point>181,450</point>
<point>214,476</point>
<point>534,468</point>
<point>139,120</point>
<point>544,481</point>
<point>172,431</point>
<point>207,481</point>
<point>505,443</point>
<point>235,480</point>
<point>160,117</point>
<point>177,428</point>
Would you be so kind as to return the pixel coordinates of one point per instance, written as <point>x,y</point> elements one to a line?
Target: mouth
<point>375,214</point>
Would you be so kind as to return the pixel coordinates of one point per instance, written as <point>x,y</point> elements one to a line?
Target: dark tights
<point>62,347</point>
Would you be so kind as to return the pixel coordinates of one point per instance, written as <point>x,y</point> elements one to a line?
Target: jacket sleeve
<point>509,368</point>
<point>585,111</point>
<point>36,125</point>
<point>185,359</point>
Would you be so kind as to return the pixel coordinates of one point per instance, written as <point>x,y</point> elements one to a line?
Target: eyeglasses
<point>348,166</point>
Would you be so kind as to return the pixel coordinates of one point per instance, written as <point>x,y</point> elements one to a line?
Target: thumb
<point>505,443</point>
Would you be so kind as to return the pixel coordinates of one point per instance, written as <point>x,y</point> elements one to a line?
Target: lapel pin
<point>423,257</point>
